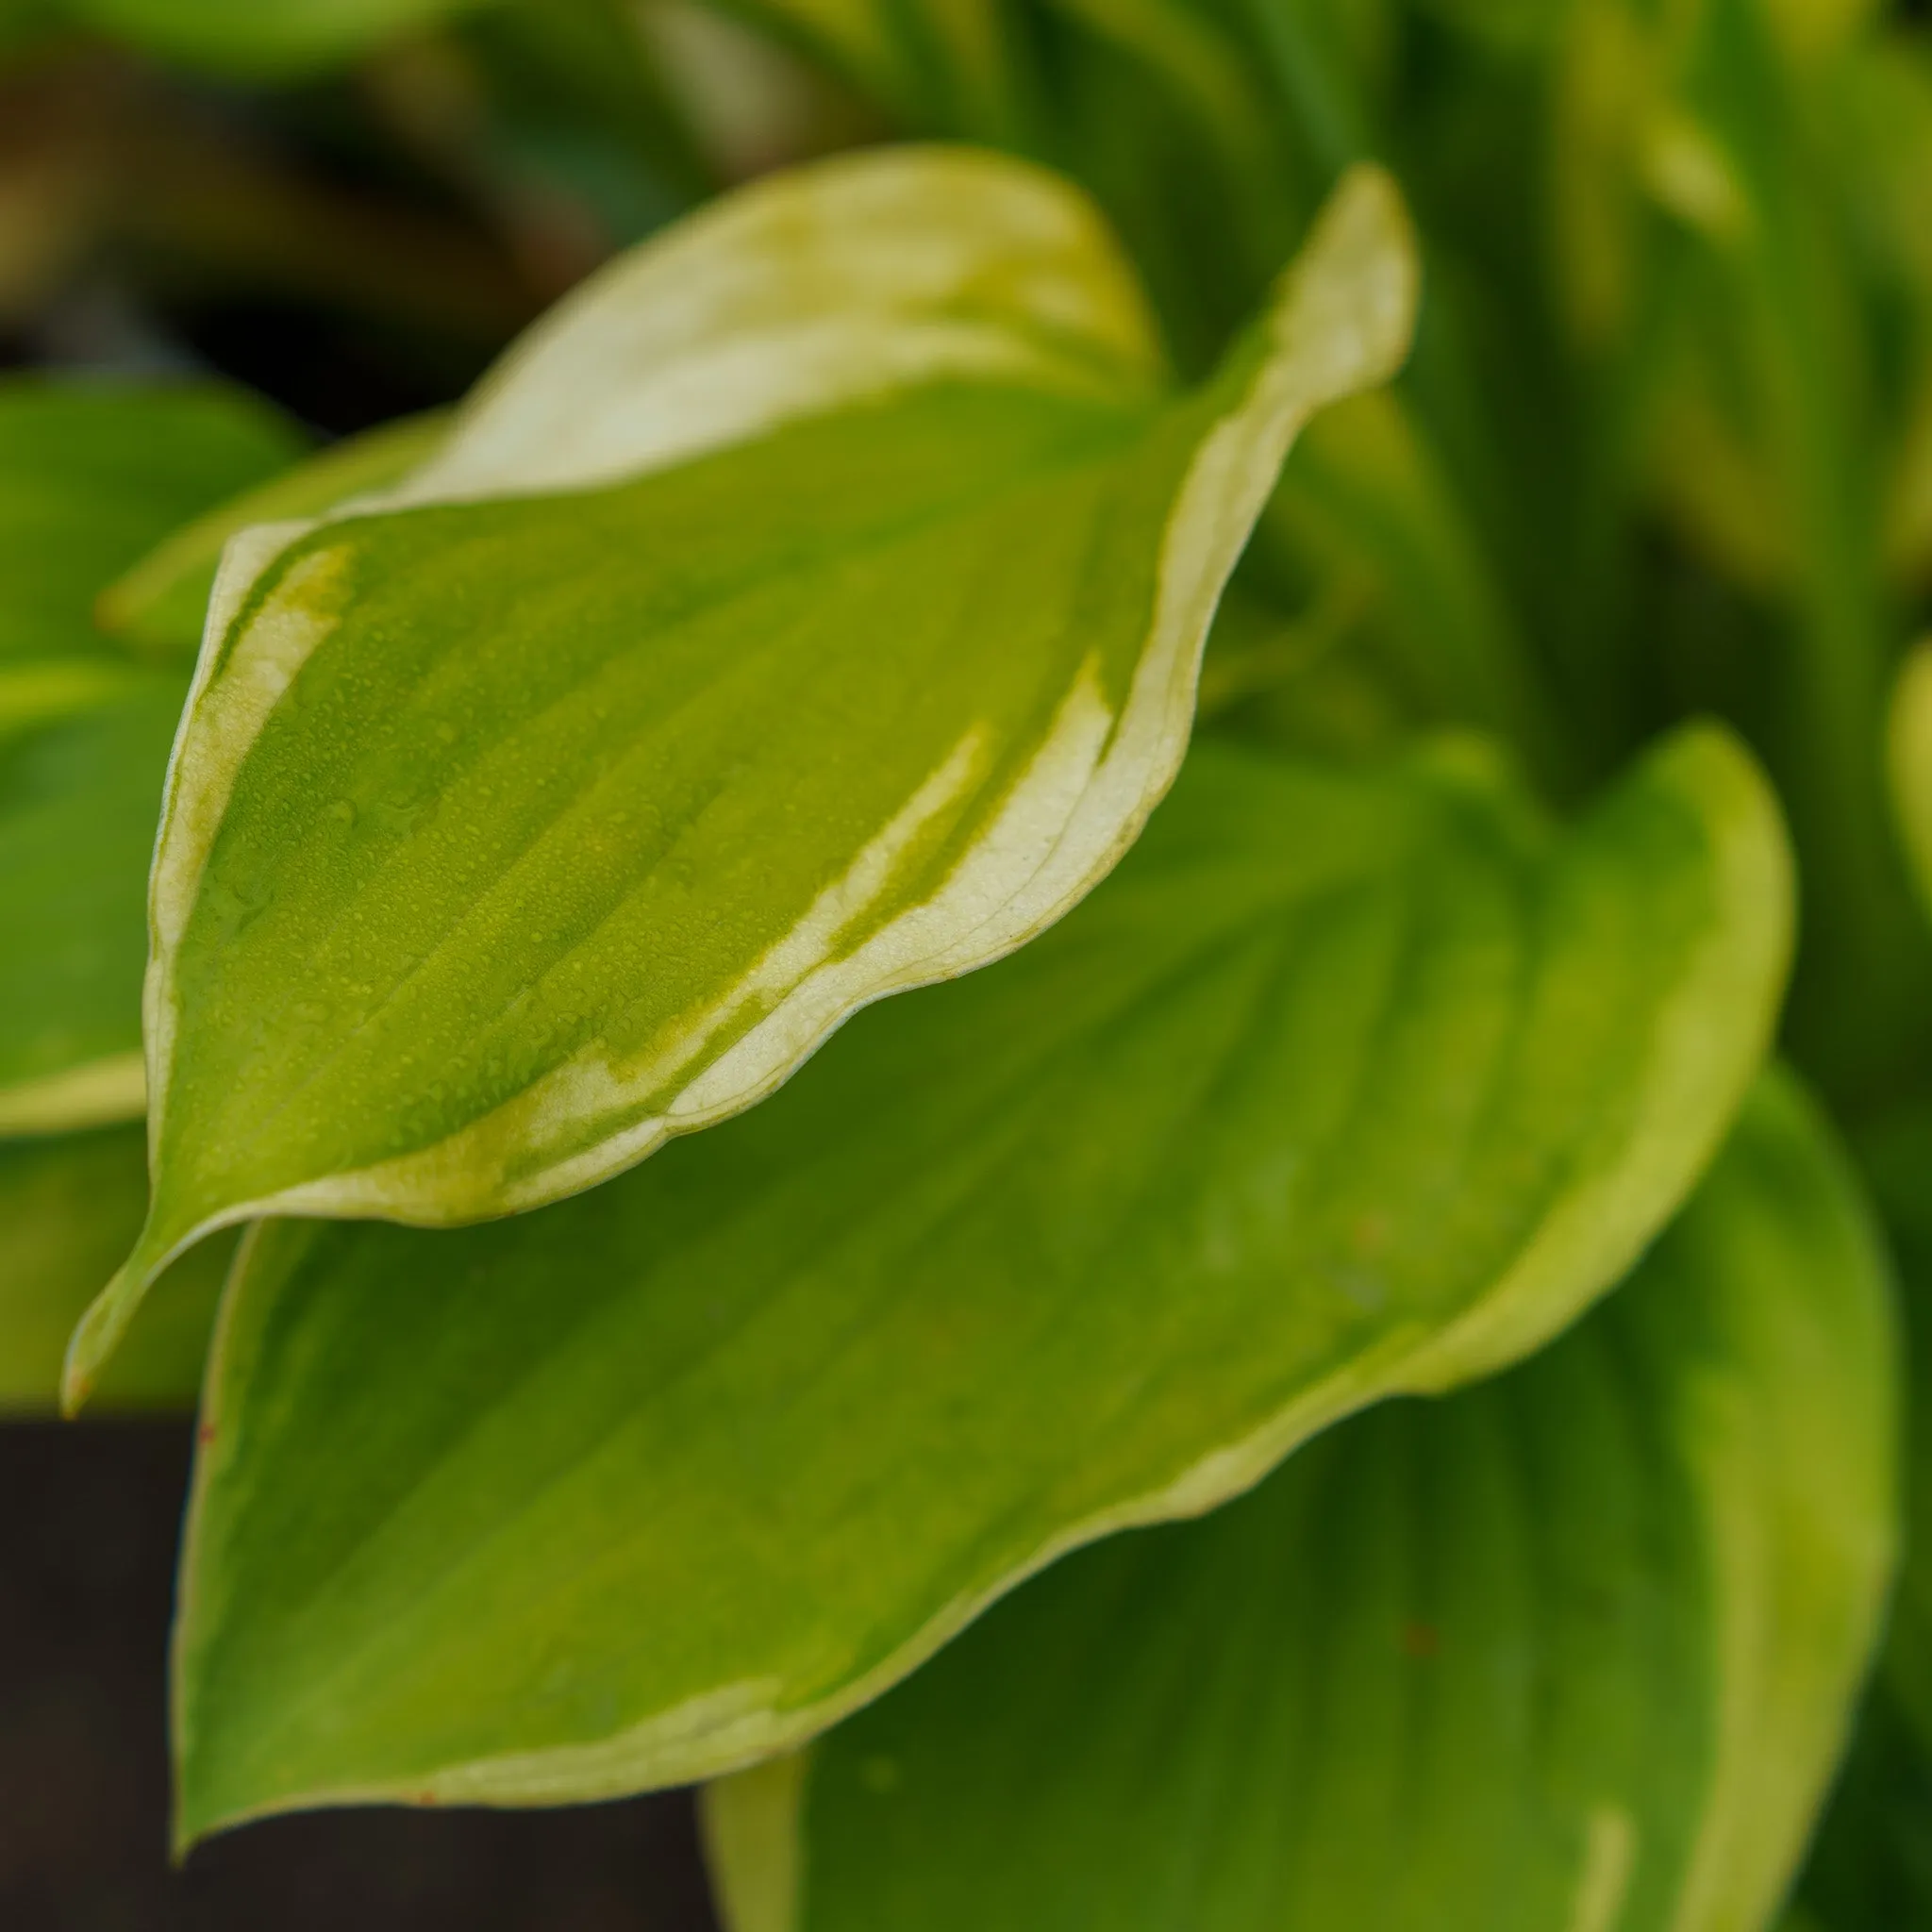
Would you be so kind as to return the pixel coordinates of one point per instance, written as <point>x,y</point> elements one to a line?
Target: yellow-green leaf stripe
<point>809,609</point>
<point>1344,1084</point>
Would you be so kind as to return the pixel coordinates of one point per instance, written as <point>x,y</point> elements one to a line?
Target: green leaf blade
<point>78,797</point>
<point>782,727</point>
<point>91,474</point>
<point>1574,1649</point>
<point>1341,1086</point>
<point>94,474</point>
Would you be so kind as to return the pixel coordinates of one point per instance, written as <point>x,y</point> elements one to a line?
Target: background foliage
<point>1414,1024</point>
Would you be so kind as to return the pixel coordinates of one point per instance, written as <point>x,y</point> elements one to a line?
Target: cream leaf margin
<point>1786,1656</point>
<point>926,240</point>
<point>1588,1239</point>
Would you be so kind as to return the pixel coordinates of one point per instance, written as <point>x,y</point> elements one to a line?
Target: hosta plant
<point>1315,600</point>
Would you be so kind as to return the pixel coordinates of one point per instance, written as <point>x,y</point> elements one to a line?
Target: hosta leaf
<point>266,37</point>
<point>1207,67</point>
<point>867,41</point>
<point>1896,1154</point>
<point>510,835</point>
<point>1911,762</point>
<point>1776,272</point>
<point>67,1207</point>
<point>1873,1867</point>
<point>160,606</point>
<point>1366,493</point>
<point>1880,97</point>
<point>90,475</point>
<point>1572,1650</point>
<point>938,66</point>
<point>80,791</point>
<point>93,474</point>
<point>1343,1084</point>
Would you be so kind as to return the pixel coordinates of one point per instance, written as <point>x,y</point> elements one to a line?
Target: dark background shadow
<point>89,1515</point>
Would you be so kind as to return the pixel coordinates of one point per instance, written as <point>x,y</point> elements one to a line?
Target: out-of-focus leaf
<point>1364,492</point>
<point>1715,485</point>
<point>1778,273</point>
<point>1326,58</point>
<point>1896,1154</point>
<point>1879,103</point>
<point>1910,756</point>
<point>90,475</point>
<point>265,37</point>
<point>574,817</point>
<point>93,473</point>
<point>1207,236</point>
<point>1870,1869</point>
<point>68,1207</point>
<point>1873,1867</point>
<point>1908,509</point>
<point>1204,65</point>
<point>1574,1649</point>
<point>24,23</point>
<point>79,795</point>
<point>158,606</point>
<point>941,67</point>
<point>864,39</point>
<point>1341,1086</point>
<point>1512,28</point>
<point>1604,81</point>
<point>1813,30</point>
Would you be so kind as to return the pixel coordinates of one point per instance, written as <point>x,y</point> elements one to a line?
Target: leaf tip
<point>100,1329</point>
<point>1710,763</point>
<point>1365,230</point>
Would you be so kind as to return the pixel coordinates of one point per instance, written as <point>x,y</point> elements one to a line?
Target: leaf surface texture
<point>1343,1084</point>
<point>575,812</point>
<point>1569,1651</point>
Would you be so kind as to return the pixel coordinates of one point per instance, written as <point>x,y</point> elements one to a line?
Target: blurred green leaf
<point>1896,1154</point>
<point>67,1206</point>
<point>1573,1650</point>
<point>1870,1869</point>
<point>1910,758</point>
<point>1341,1086</point>
<point>94,474</point>
<point>158,606</point>
<point>949,67</point>
<point>24,23</point>
<point>1365,494</point>
<point>268,38</point>
<point>580,815</point>
<point>1879,117</point>
<point>1204,66</point>
<point>1776,276</point>
<point>79,795</point>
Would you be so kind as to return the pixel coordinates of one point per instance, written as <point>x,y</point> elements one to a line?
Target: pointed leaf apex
<point>99,1331</point>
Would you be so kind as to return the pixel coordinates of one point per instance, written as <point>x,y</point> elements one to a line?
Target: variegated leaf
<point>1572,1652</point>
<point>1345,1084</point>
<point>809,609</point>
